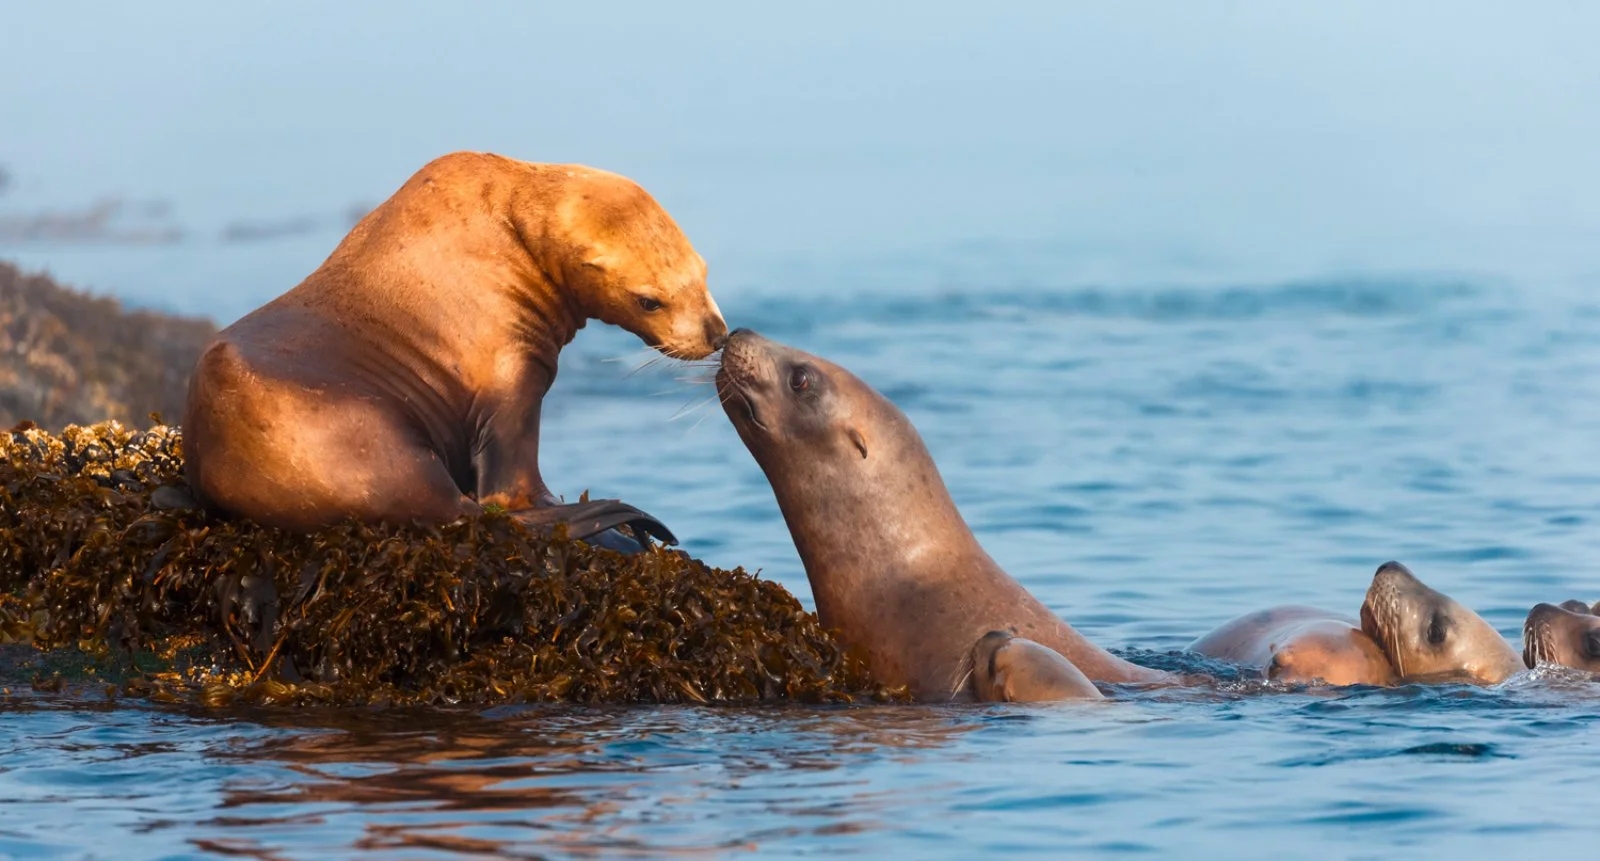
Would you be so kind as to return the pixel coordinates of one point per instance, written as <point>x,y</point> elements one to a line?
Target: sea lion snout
<point>1538,635</point>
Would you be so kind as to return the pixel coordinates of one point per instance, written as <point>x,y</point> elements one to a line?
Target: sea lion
<point>1301,645</point>
<point>1010,669</point>
<point>1430,637</point>
<point>1558,635</point>
<point>894,567</point>
<point>402,380</point>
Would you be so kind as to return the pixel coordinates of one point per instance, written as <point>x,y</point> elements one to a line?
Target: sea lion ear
<point>595,263</point>
<point>859,440</point>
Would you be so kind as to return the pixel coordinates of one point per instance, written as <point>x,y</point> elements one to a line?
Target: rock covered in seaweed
<point>478,611</point>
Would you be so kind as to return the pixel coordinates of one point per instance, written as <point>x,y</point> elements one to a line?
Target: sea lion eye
<point>1436,631</point>
<point>799,378</point>
<point>1591,644</point>
<point>649,304</point>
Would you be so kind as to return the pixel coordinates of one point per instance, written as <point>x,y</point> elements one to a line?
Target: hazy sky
<point>1228,135</point>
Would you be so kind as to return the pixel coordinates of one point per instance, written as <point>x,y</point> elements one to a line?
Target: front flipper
<point>1010,669</point>
<point>597,517</point>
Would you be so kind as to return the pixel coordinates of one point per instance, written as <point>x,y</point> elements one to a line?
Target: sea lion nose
<point>716,332</point>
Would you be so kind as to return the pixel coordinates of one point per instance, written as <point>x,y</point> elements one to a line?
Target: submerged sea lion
<point>1562,636</point>
<point>894,567</point>
<point>1430,637</point>
<point>402,380</point>
<point>1302,645</point>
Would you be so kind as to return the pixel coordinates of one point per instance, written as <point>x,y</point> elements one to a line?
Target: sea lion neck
<point>935,544</point>
<point>478,220</point>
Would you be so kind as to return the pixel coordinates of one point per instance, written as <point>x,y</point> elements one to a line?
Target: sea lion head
<point>805,419</point>
<point>635,268</point>
<point>1427,634</point>
<point>1333,652</point>
<point>1009,669</point>
<point>841,458</point>
<point>1558,635</point>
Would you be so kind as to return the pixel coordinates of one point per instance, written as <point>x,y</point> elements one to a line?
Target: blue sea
<point>1198,310</point>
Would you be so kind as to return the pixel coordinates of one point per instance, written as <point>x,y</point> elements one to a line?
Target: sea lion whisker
<point>698,422</point>
<point>962,676</point>
<point>636,355</point>
<point>691,408</point>
<point>646,364</point>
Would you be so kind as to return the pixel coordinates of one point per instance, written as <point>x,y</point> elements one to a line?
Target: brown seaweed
<point>100,553</point>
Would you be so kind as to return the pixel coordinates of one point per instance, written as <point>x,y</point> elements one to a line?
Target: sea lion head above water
<point>1561,635</point>
<point>1428,635</point>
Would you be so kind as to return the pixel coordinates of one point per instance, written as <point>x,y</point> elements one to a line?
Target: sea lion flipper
<point>1008,668</point>
<point>585,520</point>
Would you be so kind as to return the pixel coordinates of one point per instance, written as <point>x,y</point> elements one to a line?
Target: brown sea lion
<point>894,567</point>
<point>1565,637</point>
<point>1301,645</point>
<point>402,380</point>
<point>1430,637</point>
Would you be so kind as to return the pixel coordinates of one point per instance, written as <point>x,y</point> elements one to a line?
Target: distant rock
<point>257,231</point>
<point>68,357</point>
<point>103,223</point>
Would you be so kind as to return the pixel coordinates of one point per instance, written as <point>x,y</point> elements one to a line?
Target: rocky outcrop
<point>69,357</point>
<point>102,551</point>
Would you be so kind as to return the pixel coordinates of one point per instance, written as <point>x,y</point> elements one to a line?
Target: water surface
<point>1150,461</point>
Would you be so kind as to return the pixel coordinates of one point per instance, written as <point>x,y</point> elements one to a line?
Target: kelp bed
<point>100,559</point>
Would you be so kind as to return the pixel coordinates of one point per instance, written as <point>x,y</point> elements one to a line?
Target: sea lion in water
<point>1561,635</point>
<point>402,380</point>
<point>894,567</point>
<point>1430,637</point>
<point>1301,645</point>
<point>1011,669</point>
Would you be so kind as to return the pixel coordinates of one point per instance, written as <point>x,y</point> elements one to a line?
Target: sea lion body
<point>893,566</point>
<point>1301,645</point>
<point>1430,637</point>
<point>402,380</point>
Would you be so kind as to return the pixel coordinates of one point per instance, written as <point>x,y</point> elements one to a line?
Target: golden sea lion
<point>402,380</point>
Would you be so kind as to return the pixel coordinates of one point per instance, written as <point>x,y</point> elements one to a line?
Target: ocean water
<point>1149,460</point>
<point>1200,308</point>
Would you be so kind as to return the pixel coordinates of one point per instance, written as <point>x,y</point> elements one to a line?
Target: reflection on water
<point>1167,771</point>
